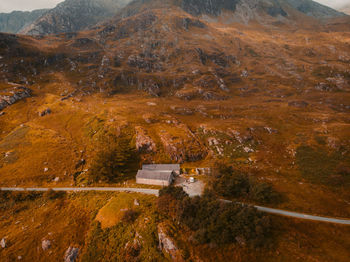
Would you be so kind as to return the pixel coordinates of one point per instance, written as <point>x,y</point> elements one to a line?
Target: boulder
<point>46,244</point>
<point>3,243</point>
<point>45,112</point>
<point>71,254</point>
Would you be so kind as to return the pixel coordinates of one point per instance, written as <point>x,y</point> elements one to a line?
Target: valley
<point>266,94</point>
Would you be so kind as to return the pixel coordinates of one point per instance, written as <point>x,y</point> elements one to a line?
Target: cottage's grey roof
<point>156,175</point>
<point>159,167</point>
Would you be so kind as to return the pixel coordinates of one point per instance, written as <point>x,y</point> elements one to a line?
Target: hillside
<point>265,93</point>
<point>15,21</point>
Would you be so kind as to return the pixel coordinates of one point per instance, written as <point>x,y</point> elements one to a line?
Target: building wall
<point>152,182</point>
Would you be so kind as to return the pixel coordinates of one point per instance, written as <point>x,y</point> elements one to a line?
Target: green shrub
<point>230,183</point>
<point>213,221</point>
<point>130,216</point>
<point>52,195</point>
<point>115,159</point>
<point>263,193</point>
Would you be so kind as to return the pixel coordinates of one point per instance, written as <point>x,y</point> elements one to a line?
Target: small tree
<point>114,158</point>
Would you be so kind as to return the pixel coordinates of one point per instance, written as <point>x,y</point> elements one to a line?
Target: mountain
<point>300,13</point>
<point>77,15</point>
<point>74,15</point>
<point>15,21</point>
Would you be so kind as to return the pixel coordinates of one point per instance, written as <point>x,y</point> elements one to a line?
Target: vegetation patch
<point>318,166</point>
<point>116,158</point>
<point>214,221</point>
<point>233,184</point>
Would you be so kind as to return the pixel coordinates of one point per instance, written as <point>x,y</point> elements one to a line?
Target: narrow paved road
<point>85,189</point>
<point>155,192</point>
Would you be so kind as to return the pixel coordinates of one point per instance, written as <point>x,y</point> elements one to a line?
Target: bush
<point>52,195</point>
<point>263,193</point>
<point>130,216</point>
<point>229,183</point>
<point>176,192</point>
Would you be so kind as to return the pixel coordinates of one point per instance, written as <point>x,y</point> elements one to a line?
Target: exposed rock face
<point>167,245</point>
<point>144,143</point>
<point>3,243</point>
<point>210,7</point>
<point>15,21</point>
<point>71,254</point>
<point>74,15</point>
<point>46,244</point>
<point>186,148</point>
<point>11,96</point>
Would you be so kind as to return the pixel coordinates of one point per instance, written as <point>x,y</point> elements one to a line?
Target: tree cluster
<point>214,221</point>
<point>114,160</point>
<point>229,183</point>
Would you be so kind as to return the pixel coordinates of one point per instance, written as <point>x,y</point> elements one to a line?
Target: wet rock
<point>71,254</point>
<point>46,244</point>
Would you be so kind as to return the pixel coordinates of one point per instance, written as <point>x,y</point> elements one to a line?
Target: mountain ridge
<point>15,21</point>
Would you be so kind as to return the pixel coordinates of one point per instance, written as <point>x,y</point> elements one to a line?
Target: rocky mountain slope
<point>74,15</point>
<point>15,21</point>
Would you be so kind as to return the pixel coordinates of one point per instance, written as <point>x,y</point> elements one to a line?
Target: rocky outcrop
<point>208,7</point>
<point>71,254</point>
<point>45,112</point>
<point>167,245</point>
<point>10,96</point>
<point>184,148</point>
<point>3,243</point>
<point>46,244</point>
<point>144,144</point>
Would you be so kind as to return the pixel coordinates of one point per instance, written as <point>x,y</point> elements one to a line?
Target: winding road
<point>155,192</point>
